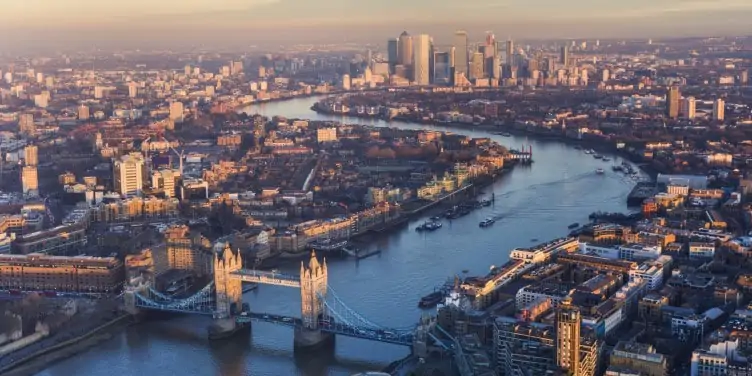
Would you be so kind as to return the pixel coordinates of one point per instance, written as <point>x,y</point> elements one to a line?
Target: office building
<point>165,180</point>
<point>564,56</point>
<point>38,272</point>
<point>461,53</point>
<point>673,96</point>
<point>477,63</point>
<point>31,155</point>
<point>176,111</point>
<point>83,112</point>
<point>26,124</point>
<point>637,357</point>
<point>422,60</point>
<point>442,67</point>
<point>128,174</point>
<point>392,47</point>
<point>30,181</point>
<point>188,251</point>
<point>689,108</point>
<point>405,51</point>
<point>326,134</point>
<point>719,110</point>
<point>509,53</point>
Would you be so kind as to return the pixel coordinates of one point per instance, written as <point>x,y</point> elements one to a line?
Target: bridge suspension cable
<point>337,303</point>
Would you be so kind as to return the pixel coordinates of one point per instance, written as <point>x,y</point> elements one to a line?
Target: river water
<point>539,201</point>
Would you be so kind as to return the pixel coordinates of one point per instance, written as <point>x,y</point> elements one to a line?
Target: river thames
<point>536,202</point>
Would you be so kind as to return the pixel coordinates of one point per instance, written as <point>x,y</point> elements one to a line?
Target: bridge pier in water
<point>313,288</point>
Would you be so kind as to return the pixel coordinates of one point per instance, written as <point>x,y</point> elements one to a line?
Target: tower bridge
<point>322,313</point>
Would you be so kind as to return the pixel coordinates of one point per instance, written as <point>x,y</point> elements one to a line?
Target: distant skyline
<point>31,23</point>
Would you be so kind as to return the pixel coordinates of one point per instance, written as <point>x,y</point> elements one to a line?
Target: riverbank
<point>41,359</point>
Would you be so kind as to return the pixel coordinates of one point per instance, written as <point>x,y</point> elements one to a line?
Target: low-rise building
<point>60,273</point>
<point>699,250</point>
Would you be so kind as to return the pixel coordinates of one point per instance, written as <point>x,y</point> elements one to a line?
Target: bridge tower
<point>229,291</point>
<point>313,287</point>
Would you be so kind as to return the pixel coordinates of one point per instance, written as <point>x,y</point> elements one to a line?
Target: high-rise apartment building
<point>564,56</point>
<point>689,108</point>
<point>422,60</point>
<point>405,50</point>
<point>31,155</point>
<point>132,89</point>
<point>26,124</point>
<point>392,48</point>
<point>128,174</point>
<point>719,110</point>
<point>673,96</point>
<point>522,348</point>
<point>30,181</point>
<point>460,53</point>
<point>568,322</point>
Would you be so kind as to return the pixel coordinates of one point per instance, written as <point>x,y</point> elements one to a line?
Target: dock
<point>640,192</point>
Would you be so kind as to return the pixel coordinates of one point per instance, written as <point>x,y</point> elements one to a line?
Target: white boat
<point>600,171</point>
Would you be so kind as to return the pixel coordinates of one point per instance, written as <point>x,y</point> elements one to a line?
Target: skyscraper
<point>568,323</point>
<point>128,174</point>
<point>421,60</point>
<point>689,107</point>
<point>672,102</point>
<point>392,48</point>
<point>477,65</point>
<point>442,68</point>
<point>510,53</point>
<point>460,52</point>
<point>719,110</point>
<point>564,56</point>
<point>83,112</point>
<point>405,50</point>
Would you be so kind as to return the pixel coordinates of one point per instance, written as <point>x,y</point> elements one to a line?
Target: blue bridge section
<point>337,318</point>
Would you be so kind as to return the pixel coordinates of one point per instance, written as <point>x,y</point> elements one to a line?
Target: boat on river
<point>573,226</point>
<point>600,171</point>
<point>429,226</point>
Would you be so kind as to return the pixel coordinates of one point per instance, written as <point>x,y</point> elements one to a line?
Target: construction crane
<point>180,155</point>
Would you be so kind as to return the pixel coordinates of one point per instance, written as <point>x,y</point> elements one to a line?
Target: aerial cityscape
<point>405,202</point>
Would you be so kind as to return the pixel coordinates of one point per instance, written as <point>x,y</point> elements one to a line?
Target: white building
<point>699,250</point>
<point>714,360</point>
<point>128,174</point>
<point>610,252</point>
<point>639,251</point>
<point>529,294</point>
<point>651,272</point>
<point>346,82</point>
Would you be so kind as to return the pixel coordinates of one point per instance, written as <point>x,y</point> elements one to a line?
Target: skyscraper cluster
<point>417,60</point>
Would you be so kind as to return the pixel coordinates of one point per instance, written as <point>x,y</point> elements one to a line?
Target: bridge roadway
<point>267,278</point>
<point>334,328</point>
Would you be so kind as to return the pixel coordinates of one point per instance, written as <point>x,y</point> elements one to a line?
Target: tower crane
<point>180,155</point>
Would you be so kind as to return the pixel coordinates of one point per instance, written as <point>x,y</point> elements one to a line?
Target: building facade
<point>37,272</point>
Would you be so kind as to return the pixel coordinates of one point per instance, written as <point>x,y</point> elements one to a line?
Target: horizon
<point>48,24</point>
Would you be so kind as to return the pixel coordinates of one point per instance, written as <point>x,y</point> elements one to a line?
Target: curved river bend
<point>539,202</point>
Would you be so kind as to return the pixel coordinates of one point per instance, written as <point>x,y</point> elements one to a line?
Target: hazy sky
<point>38,21</point>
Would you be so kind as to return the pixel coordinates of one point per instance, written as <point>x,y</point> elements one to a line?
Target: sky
<point>32,22</point>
